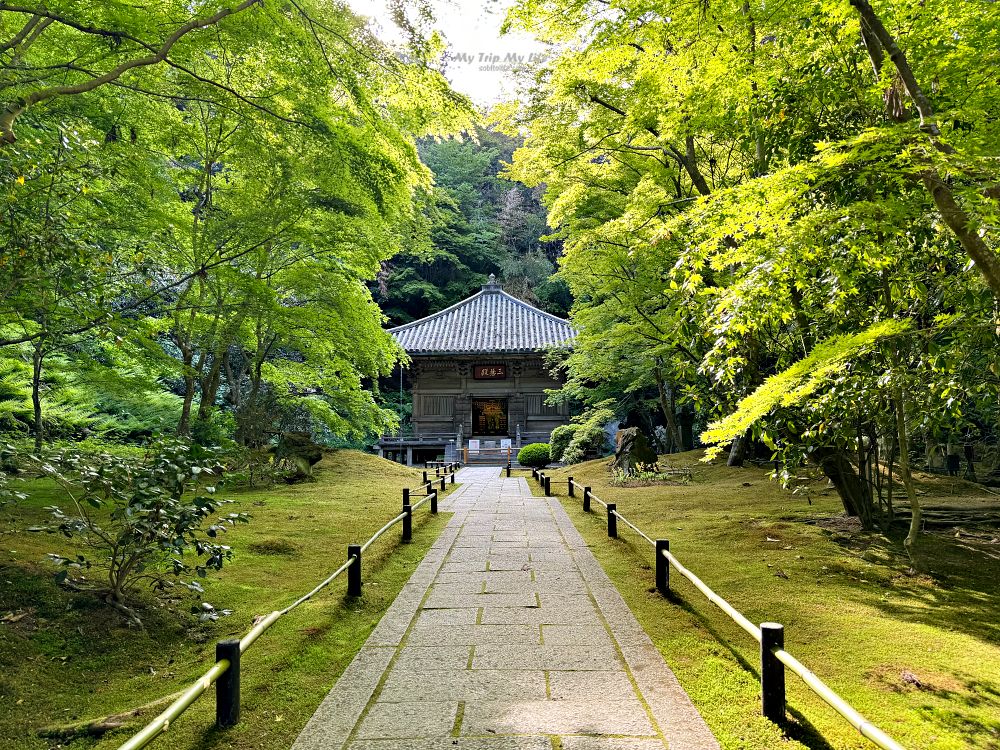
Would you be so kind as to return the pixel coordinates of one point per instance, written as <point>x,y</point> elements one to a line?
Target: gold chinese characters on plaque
<point>490,372</point>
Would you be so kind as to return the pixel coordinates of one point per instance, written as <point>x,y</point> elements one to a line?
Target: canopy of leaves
<point>791,205</point>
<point>197,196</point>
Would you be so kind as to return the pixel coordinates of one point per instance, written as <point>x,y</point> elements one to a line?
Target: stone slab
<point>400,720</point>
<point>608,717</point>
<point>411,686</point>
<point>458,743</point>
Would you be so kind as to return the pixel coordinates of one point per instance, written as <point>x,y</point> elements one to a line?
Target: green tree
<point>195,177</point>
<point>740,189</point>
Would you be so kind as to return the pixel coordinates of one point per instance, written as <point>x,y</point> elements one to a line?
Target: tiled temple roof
<point>490,322</point>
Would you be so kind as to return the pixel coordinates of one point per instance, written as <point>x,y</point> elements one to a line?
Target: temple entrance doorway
<point>489,417</point>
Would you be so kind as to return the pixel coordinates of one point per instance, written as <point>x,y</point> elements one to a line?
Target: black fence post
<point>772,672</point>
<point>407,517</point>
<point>434,499</point>
<point>425,477</point>
<point>612,520</point>
<point>227,687</point>
<point>354,571</point>
<point>586,499</point>
<point>569,484</point>
<point>508,471</point>
<point>442,484</point>
<point>548,486</point>
<point>662,566</point>
<point>453,476</point>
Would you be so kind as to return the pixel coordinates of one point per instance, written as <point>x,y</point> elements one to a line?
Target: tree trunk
<point>957,219</point>
<point>690,161</point>
<point>738,450</point>
<point>210,389</point>
<point>192,379</point>
<point>837,467</point>
<point>904,469</point>
<point>37,361</point>
<point>667,408</point>
<point>247,432</point>
<point>961,224</point>
<point>184,424</point>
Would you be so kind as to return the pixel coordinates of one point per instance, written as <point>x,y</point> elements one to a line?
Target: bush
<point>535,455</point>
<point>560,439</point>
<point>12,426</point>
<point>589,437</point>
<point>150,525</point>
<point>216,430</point>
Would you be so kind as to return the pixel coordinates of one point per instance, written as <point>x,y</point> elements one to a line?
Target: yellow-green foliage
<point>798,382</point>
<point>534,454</point>
<point>560,439</point>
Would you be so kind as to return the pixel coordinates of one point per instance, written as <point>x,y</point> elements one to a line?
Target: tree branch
<point>13,110</point>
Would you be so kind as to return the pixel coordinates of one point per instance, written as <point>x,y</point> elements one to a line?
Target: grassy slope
<point>70,658</point>
<point>852,612</point>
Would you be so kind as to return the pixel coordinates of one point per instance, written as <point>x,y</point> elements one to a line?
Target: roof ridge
<point>490,320</point>
<point>480,293</point>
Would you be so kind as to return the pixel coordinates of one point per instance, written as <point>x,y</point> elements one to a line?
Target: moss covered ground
<point>66,658</point>
<point>915,650</point>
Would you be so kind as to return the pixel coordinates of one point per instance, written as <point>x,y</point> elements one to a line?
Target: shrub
<point>149,519</point>
<point>535,455</point>
<point>11,425</point>
<point>589,436</point>
<point>560,439</point>
<point>214,430</point>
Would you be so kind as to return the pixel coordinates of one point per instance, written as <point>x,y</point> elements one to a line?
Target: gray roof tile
<point>490,322</point>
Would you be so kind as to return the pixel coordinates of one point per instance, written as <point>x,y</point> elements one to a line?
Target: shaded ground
<point>65,657</point>
<point>918,653</point>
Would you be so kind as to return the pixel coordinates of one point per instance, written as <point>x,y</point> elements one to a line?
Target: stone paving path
<point>508,636</point>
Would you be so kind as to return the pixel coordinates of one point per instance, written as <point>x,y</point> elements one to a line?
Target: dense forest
<point>784,220</point>
<point>475,223</point>
<point>181,255</point>
<point>780,226</point>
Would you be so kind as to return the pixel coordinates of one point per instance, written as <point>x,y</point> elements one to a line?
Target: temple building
<point>478,374</point>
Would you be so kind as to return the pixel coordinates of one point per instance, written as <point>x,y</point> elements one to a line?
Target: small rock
<point>910,679</point>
